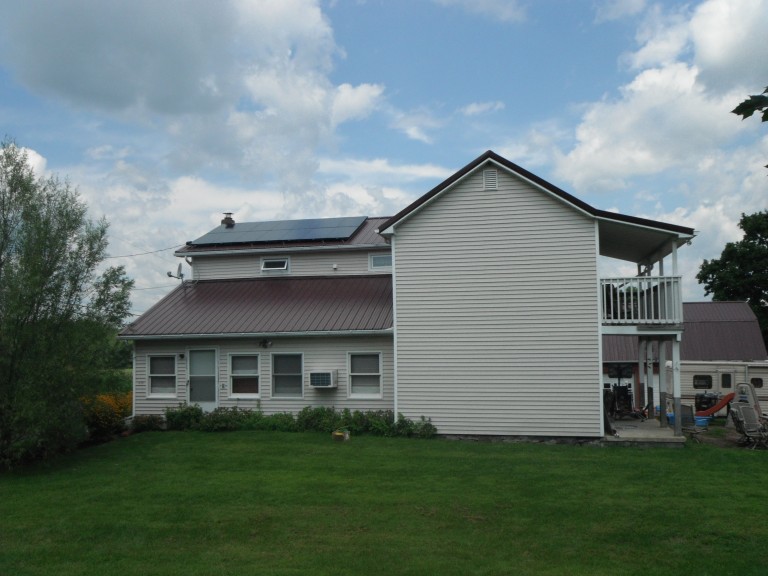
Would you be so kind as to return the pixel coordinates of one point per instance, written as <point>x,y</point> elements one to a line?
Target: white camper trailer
<point>720,378</point>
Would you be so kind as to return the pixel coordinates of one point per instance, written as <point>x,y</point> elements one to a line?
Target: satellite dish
<point>178,274</point>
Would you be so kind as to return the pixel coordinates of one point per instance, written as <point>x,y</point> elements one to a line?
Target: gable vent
<point>490,179</point>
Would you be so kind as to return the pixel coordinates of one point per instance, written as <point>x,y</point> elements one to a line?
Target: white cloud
<point>663,38</point>
<point>729,38</point>
<point>672,121</point>
<point>355,102</point>
<point>382,169</point>
<point>503,10</point>
<point>416,124</point>
<point>608,10</point>
<point>236,86</point>
<point>676,109</point>
<point>478,108</point>
<point>36,161</point>
<point>662,120</point>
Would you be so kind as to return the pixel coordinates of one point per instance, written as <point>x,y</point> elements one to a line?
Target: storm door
<point>202,378</point>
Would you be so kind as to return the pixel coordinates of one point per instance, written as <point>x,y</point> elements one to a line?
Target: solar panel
<point>282,231</point>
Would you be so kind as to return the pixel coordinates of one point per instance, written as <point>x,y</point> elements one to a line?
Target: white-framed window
<point>162,375</point>
<point>244,375</point>
<point>275,265</point>
<point>380,261</point>
<point>287,376</point>
<point>365,374</point>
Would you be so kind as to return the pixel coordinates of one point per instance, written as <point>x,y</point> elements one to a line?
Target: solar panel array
<point>282,231</point>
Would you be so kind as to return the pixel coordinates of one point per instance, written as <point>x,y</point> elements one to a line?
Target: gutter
<point>282,250</point>
<point>231,335</point>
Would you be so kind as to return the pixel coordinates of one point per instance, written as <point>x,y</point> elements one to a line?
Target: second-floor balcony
<point>641,301</point>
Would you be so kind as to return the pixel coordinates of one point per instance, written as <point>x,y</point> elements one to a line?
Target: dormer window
<point>275,265</point>
<point>380,261</point>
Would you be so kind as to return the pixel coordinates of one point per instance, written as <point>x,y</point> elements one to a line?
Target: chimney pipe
<point>228,221</point>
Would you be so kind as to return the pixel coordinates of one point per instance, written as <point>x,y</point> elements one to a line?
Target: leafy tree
<point>753,104</point>
<point>741,272</point>
<point>59,310</point>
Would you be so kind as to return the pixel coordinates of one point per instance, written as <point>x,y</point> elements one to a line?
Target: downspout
<point>604,424</point>
<point>133,380</point>
<point>394,326</point>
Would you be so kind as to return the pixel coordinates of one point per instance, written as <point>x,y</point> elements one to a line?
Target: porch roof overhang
<point>639,240</point>
<point>266,307</point>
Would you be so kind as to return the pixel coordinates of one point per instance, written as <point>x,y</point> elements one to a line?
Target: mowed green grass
<point>192,503</point>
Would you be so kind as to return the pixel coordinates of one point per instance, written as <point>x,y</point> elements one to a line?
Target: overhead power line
<point>144,253</point>
<point>156,287</point>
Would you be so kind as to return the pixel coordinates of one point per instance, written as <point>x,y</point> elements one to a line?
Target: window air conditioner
<point>324,379</point>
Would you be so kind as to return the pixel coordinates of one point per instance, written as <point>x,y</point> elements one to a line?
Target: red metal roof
<point>366,235</point>
<point>270,306</point>
<point>712,331</point>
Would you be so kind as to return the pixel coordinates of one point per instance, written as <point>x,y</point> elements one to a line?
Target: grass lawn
<point>192,503</point>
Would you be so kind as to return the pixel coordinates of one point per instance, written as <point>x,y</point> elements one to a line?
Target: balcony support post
<point>676,385</point>
<point>663,384</point>
<point>649,377</point>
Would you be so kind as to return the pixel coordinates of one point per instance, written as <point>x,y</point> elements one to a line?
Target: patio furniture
<point>753,430</point>
<point>688,423</point>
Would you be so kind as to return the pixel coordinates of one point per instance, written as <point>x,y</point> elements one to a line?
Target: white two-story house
<point>479,306</point>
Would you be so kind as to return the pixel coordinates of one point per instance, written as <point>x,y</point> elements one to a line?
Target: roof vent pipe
<point>228,221</point>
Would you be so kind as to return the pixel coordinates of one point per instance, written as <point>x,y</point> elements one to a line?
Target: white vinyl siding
<point>496,313</point>
<point>350,262</point>
<point>319,354</point>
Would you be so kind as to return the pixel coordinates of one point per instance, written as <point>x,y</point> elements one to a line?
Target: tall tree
<point>741,272</point>
<point>755,103</point>
<point>59,309</point>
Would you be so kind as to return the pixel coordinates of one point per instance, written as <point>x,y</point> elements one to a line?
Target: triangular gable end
<point>650,232</point>
<point>482,162</point>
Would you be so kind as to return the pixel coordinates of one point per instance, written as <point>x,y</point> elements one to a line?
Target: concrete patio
<point>638,432</point>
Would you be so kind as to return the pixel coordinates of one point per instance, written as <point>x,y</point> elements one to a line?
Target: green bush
<point>184,417</point>
<point>319,419</point>
<point>309,419</point>
<point>39,430</point>
<point>147,423</point>
<point>424,428</point>
<point>280,422</point>
<point>381,422</point>
<point>224,419</point>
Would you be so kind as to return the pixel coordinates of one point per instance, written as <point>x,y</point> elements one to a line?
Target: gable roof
<point>712,331</point>
<point>272,306</point>
<point>227,240</point>
<point>615,228</point>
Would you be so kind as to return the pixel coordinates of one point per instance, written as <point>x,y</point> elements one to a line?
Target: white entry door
<point>202,378</point>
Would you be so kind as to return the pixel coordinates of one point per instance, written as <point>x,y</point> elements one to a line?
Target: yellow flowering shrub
<point>105,414</point>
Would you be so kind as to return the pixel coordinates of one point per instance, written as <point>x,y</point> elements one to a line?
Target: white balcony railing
<point>641,300</point>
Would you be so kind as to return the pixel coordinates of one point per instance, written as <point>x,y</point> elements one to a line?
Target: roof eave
<point>229,335</point>
<point>280,250</point>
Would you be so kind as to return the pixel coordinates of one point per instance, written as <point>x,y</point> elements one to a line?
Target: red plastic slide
<point>717,407</point>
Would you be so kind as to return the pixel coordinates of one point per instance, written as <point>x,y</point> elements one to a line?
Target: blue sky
<point>166,114</point>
